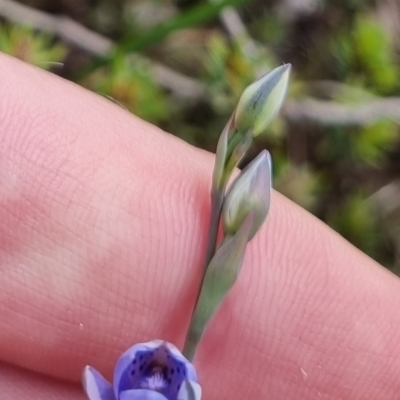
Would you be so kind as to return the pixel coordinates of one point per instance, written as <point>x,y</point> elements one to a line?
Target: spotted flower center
<point>157,370</point>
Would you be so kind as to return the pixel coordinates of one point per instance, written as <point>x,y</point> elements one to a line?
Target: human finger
<point>17,383</point>
<point>104,222</point>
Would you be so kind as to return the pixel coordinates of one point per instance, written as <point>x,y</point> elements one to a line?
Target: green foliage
<point>272,30</point>
<point>229,70</point>
<point>228,73</point>
<point>35,48</point>
<point>367,51</point>
<point>299,183</point>
<point>131,85</point>
<point>355,218</point>
<point>368,145</point>
<point>372,143</point>
<point>376,54</point>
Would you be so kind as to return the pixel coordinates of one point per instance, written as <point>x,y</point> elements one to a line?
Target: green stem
<point>191,343</point>
<point>217,198</point>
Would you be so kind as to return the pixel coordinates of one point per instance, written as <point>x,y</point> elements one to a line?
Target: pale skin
<point>103,223</point>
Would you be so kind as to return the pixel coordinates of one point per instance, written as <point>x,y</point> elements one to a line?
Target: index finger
<point>103,229</point>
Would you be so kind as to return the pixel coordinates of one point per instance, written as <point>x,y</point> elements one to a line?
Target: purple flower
<point>148,371</point>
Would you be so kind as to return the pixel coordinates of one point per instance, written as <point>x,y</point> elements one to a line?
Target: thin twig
<point>232,22</point>
<point>63,27</point>
<point>327,89</point>
<point>332,113</point>
<point>291,10</point>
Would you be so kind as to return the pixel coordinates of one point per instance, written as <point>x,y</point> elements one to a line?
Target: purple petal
<point>141,394</point>
<point>96,387</point>
<point>127,374</point>
<point>189,391</point>
<point>190,370</point>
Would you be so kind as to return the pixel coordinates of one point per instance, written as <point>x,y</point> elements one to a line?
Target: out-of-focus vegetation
<point>192,59</point>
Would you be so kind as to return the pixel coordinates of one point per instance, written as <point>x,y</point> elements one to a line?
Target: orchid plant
<point>157,370</point>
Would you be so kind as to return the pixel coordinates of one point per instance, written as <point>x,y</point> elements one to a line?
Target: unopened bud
<point>249,193</point>
<point>262,100</point>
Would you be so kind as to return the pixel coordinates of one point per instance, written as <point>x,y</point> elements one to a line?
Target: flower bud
<point>262,100</point>
<point>249,193</point>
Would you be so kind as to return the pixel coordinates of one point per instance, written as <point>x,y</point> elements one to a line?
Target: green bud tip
<point>261,101</point>
<point>250,192</point>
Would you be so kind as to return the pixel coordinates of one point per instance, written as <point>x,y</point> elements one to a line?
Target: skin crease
<point>103,222</point>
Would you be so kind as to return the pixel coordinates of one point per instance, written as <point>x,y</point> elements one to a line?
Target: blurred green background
<point>182,64</point>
